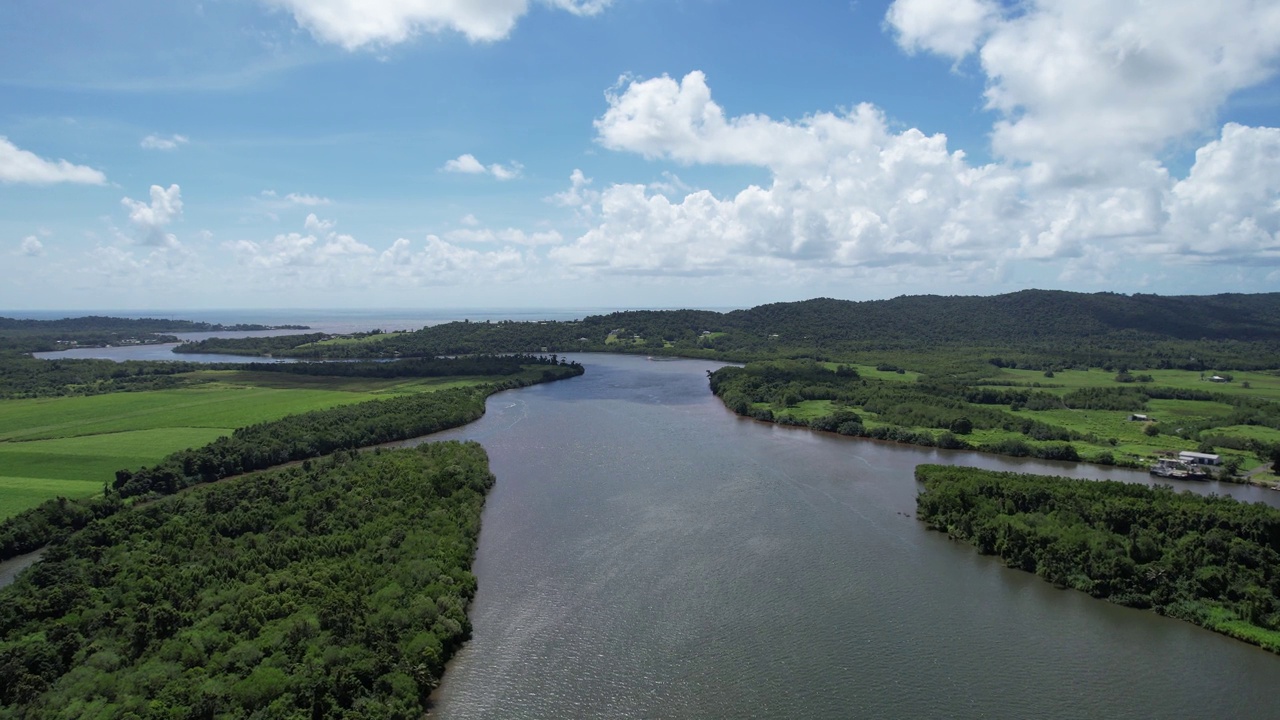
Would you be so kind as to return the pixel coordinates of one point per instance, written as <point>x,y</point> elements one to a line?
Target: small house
<point>1199,458</point>
<point>1139,418</point>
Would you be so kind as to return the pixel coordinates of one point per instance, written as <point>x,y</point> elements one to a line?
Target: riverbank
<point>1076,416</point>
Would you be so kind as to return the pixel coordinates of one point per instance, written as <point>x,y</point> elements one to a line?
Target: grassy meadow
<point>72,446</point>
<point>1116,435</point>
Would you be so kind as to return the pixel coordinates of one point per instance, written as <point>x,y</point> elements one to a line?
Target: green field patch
<point>809,409</point>
<point>1248,432</point>
<point>1260,384</point>
<point>870,372</point>
<point>22,493</point>
<point>203,406</point>
<point>366,340</point>
<point>96,457</point>
<point>1170,411</point>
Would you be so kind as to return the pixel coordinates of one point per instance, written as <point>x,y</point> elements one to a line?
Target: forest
<point>25,335</point>
<point>333,589</point>
<point>23,376</point>
<point>1036,329</point>
<point>260,446</point>
<point>1209,560</point>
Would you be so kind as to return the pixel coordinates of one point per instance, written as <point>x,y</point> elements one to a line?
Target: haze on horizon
<point>631,153</point>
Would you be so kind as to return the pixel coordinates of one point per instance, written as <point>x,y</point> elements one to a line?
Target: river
<point>647,554</point>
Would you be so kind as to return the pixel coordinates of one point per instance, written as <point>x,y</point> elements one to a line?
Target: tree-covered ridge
<point>1033,328</point>
<point>337,589</point>
<point>252,346</point>
<point>26,335</point>
<point>265,445</point>
<point>26,377</point>
<point>1209,560</point>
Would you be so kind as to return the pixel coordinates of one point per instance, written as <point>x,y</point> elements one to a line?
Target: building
<point>1198,458</point>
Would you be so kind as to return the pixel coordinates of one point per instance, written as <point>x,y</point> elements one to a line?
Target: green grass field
<point>1116,434</point>
<point>71,446</point>
<point>1260,384</point>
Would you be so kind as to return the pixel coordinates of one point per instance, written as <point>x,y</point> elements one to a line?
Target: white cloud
<point>321,257</point>
<point>158,142</point>
<point>150,219</point>
<point>468,164</point>
<point>307,200</point>
<point>1088,85</point>
<point>354,24</point>
<point>21,166</point>
<point>1228,207</point>
<point>31,246</point>
<point>848,194</point>
<point>946,27</point>
<point>509,236</point>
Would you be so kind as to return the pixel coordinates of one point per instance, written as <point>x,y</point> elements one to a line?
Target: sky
<point>160,154</point>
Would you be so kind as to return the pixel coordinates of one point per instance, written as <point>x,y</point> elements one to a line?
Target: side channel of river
<point>646,554</point>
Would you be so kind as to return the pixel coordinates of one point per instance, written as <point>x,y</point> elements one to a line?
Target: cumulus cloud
<point>158,142</point>
<point>307,200</point>
<point>31,246</point>
<point>945,27</point>
<point>849,191</point>
<point>1228,207</point>
<point>321,257</point>
<point>354,24</point>
<point>508,236</point>
<point>150,219</point>
<point>846,190</point>
<point>22,166</point>
<point>467,164</point>
<point>1087,85</point>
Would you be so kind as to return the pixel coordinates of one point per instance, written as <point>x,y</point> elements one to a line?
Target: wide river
<point>647,554</point>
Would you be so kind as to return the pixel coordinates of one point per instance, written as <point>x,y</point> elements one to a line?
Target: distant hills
<point>1033,328</point>
<point>25,335</point>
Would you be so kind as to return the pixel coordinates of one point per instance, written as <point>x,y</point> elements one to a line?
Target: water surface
<point>647,554</point>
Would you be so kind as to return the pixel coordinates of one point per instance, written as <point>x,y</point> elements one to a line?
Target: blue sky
<point>610,153</point>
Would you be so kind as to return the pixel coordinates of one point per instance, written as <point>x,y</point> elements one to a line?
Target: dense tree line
<point>337,589</point>
<point>24,335</point>
<point>27,377</point>
<point>1037,329</point>
<point>256,447</point>
<point>253,346</point>
<point>1210,560</point>
<point>22,376</point>
<point>469,365</point>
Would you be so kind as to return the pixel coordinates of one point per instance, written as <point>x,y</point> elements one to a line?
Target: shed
<point>1139,418</point>
<point>1198,458</point>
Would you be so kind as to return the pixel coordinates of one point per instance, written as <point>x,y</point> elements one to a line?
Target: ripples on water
<point>646,554</point>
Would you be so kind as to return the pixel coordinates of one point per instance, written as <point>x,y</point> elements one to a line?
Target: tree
<point>1275,459</point>
<point>961,426</point>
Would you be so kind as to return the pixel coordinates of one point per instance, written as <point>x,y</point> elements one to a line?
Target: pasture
<point>72,446</point>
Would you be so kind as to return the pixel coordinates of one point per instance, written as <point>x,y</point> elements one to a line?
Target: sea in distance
<point>646,553</point>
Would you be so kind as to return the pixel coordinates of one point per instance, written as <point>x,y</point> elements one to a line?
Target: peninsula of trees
<point>25,335</point>
<point>334,589</point>
<point>1208,560</point>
